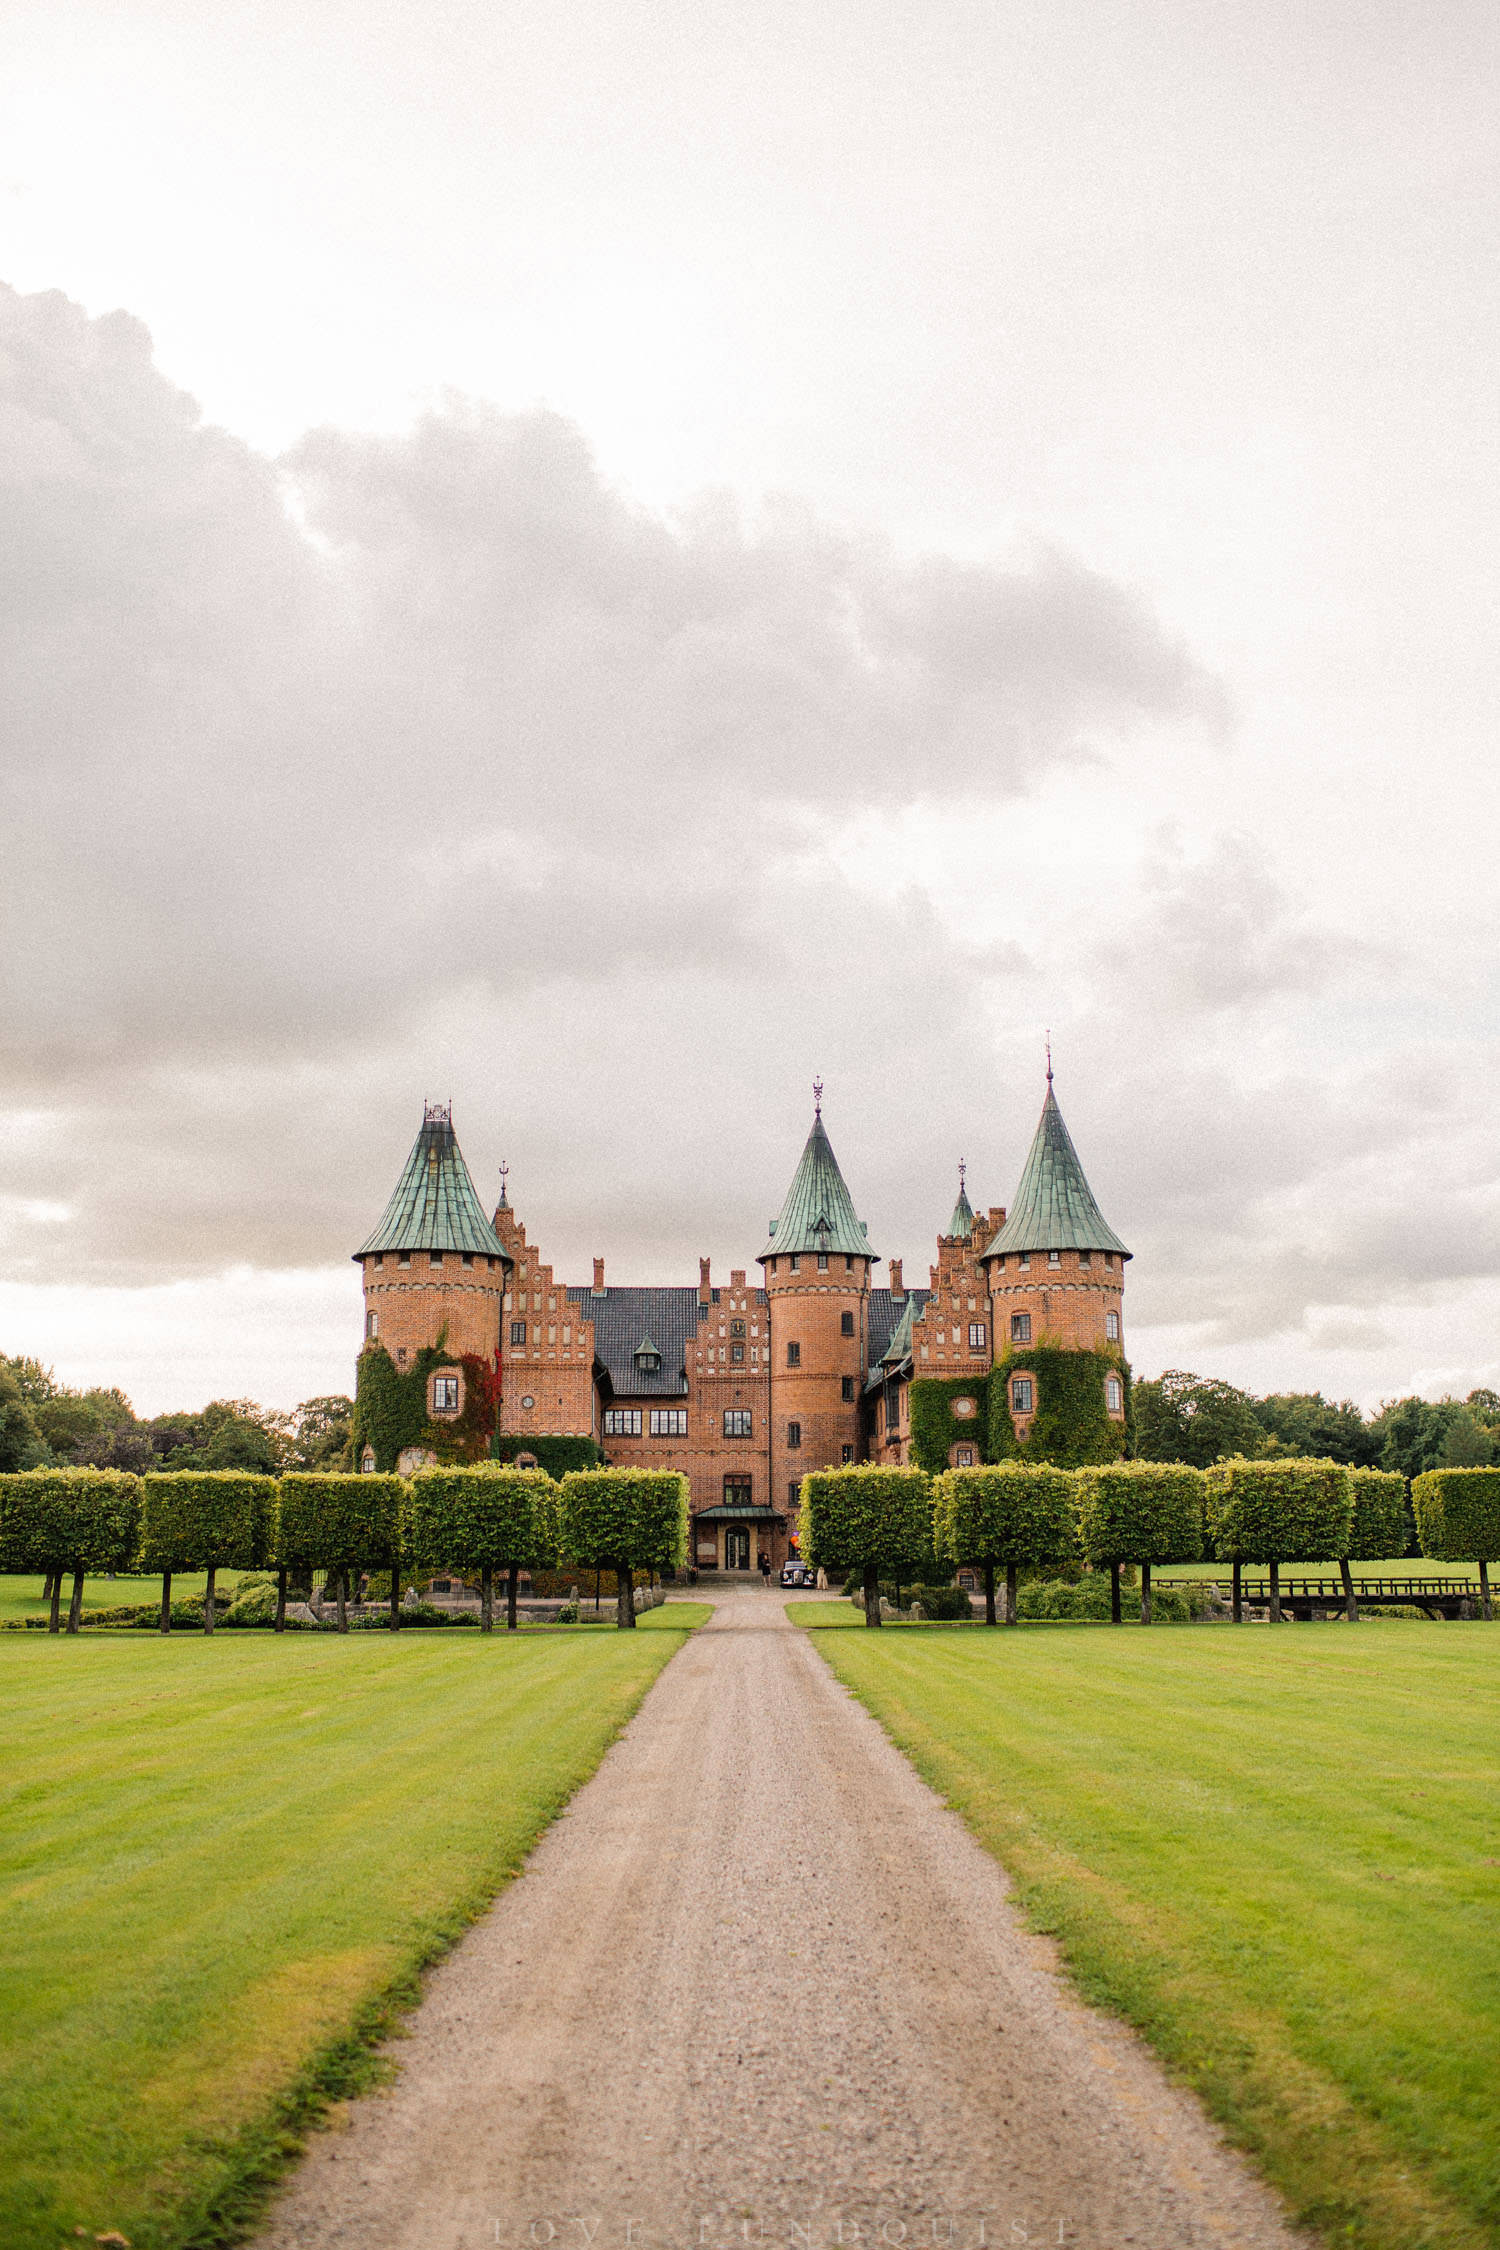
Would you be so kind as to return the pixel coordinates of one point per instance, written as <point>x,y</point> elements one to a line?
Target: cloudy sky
<point>598,561</point>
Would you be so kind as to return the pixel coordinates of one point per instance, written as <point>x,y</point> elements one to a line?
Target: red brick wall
<point>806,1309</point>
<point>554,1368</point>
<point>413,1300</point>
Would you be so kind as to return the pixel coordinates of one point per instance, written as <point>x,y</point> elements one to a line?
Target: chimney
<point>894,1264</point>
<point>997,1218</point>
<point>598,1277</point>
<point>704,1290</point>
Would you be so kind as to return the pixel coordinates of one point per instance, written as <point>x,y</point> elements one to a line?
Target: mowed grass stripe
<point>1277,1852</point>
<point>217,1856</point>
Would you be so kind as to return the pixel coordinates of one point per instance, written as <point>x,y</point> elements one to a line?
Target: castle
<point>746,1385</point>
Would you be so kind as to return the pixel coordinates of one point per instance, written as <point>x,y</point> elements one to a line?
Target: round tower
<point>817,1264</point>
<point>434,1270</point>
<point>1056,1272</point>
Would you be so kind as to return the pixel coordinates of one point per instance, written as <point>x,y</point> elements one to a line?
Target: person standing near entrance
<point>764,1561</point>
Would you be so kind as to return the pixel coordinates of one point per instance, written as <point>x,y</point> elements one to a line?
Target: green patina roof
<point>962,1221</point>
<point>435,1206</point>
<point>899,1346</point>
<point>1054,1207</point>
<point>818,1213</point>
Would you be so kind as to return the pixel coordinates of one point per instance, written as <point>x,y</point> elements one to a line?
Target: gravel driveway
<point>757,1986</point>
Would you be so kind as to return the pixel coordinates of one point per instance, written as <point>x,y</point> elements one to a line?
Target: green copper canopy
<point>1054,1207</point>
<point>818,1213</point>
<point>435,1206</point>
<point>962,1222</point>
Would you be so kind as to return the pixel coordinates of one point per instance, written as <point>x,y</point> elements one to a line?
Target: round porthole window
<point>528,1402</point>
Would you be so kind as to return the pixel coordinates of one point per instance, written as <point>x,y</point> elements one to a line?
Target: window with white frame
<point>1020,1394</point>
<point>1054,1257</point>
<point>963,1457</point>
<point>669,1421</point>
<point>445,1394</point>
<point>1114,1396</point>
<point>1112,1326</point>
<point>1020,1328</point>
<point>622,1421</point>
<point>372,1324</point>
<point>737,1421</point>
<point>978,1335</point>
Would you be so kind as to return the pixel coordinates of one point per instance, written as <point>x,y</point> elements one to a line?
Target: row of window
<point>1023,1394</point>
<point>437,1257</point>
<point>1020,1328</point>
<point>794,1263</point>
<point>1054,1259</point>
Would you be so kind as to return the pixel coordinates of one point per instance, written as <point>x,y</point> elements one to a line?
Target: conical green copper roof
<point>818,1213</point>
<point>899,1346</point>
<point>1054,1207</point>
<point>962,1221</point>
<point>434,1206</point>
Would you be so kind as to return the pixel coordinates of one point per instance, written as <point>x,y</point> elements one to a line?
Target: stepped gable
<point>818,1214</point>
<point>434,1206</point>
<point>624,1319</point>
<point>1054,1207</point>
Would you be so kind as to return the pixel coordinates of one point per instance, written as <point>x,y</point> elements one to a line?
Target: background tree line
<point>48,1424</point>
<point>1200,1419</point>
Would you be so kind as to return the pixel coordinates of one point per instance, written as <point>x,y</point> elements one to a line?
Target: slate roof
<point>818,1213</point>
<point>890,1324</point>
<point>624,1318</point>
<point>1054,1207</point>
<point>434,1206</point>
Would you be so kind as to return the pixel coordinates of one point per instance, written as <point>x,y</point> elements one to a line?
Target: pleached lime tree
<point>1018,1515</point>
<point>1139,1512</point>
<point>342,1525</point>
<point>1279,1511</point>
<point>624,1520</point>
<point>486,1519</point>
<point>204,1519</point>
<point>869,1520</point>
<point>1458,1519</point>
<point>1377,1526</point>
<point>60,1520</point>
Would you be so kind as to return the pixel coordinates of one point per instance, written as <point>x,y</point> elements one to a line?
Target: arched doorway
<point>736,1547</point>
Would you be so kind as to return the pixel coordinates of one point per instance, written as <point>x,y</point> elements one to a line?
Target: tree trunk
<point>47,1585</point>
<point>166,1601</point>
<point>1114,1594</point>
<point>872,1594</point>
<point>486,1598</point>
<point>1239,1609</point>
<point>989,1593</point>
<point>208,1598</point>
<point>624,1588</point>
<point>75,1606</point>
<point>1145,1593</point>
<point>512,1587</point>
<point>53,1622</point>
<point>1010,1595</point>
<point>1484,1591</point>
<point>343,1601</point>
<point>1275,1593</point>
<point>1351,1606</point>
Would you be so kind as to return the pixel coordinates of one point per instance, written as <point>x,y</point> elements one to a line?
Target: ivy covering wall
<point>390,1406</point>
<point>934,1425</point>
<point>1071,1426</point>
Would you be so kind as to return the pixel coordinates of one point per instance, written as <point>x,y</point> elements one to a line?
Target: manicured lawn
<point>1277,1852</point>
<point>222,1862</point>
<point>22,1597</point>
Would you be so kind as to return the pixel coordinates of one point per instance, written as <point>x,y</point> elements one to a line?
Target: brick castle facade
<point>746,1385</point>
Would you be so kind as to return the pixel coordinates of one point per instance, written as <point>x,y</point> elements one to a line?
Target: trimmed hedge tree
<point>1278,1511</point>
<point>78,1520</point>
<point>1378,1526</point>
<point>342,1524</point>
<point>1018,1514</point>
<point>1458,1519</point>
<point>204,1519</point>
<point>484,1519</point>
<point>624,1520</point>
<point>872,1520</point>
<point>1140,1512</point>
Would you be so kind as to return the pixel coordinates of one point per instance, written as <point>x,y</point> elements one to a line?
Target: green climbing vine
<point>1072,1426</point>
<point>390,1406</point>
<point>556,1453</point>
<point>934,1425</point>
